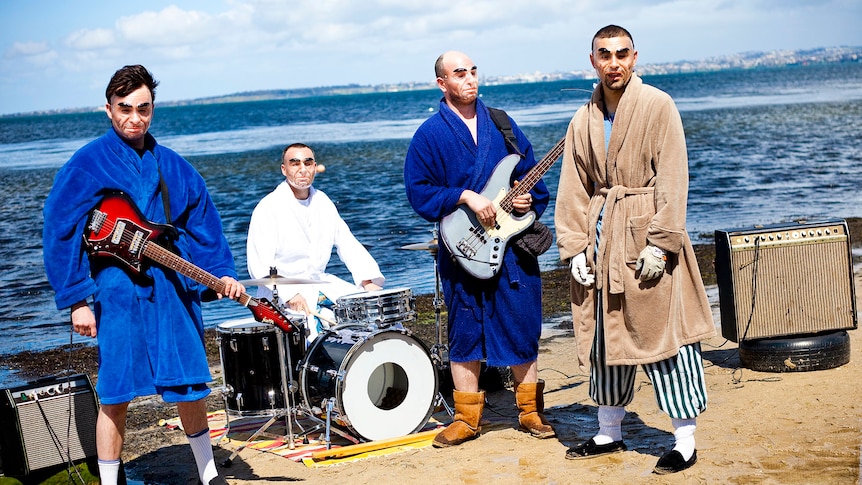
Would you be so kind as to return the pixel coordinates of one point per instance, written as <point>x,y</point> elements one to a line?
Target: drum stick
<point>324,318</point>
<point>374,445</point>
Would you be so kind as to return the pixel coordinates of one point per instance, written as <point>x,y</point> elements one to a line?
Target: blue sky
<point>60,54</point>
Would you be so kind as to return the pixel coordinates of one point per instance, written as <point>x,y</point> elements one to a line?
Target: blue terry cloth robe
<point>150,334</point>
<point>499,319</point>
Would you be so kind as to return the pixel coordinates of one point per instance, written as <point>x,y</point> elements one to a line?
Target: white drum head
<point>389,386</point>
<point>244,325</point>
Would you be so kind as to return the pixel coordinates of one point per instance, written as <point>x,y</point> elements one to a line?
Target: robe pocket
<point>636,237</point>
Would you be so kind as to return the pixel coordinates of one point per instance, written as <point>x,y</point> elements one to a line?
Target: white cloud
<point>243,45</point>
<point>27,49</point>
<point>91,39</point>
<point>170,27</point>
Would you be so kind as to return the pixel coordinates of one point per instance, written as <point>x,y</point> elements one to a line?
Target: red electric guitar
<point>116,228</point>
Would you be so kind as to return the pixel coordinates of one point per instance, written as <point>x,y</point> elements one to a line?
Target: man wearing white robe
<point>294,229</point>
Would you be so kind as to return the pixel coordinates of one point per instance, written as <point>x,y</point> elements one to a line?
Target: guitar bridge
<point>97,221</point>
<point>466,249</point>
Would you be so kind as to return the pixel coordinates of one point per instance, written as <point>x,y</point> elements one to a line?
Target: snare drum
<point>380,308</point>
<point>253,370</point>
<point>382,381</point>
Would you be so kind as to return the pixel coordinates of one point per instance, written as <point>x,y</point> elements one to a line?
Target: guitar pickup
<point>117,236</point>
<point>137,240</point>
<point>479,232</point>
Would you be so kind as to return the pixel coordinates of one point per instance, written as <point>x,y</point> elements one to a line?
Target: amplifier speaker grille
<point>785,280</point>
<point>48,423</point>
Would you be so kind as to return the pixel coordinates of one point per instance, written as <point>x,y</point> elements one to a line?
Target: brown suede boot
<point>465,425</point>
<point>531,402</point>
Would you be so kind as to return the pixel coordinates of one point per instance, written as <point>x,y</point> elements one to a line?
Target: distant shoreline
<point>740,61</point>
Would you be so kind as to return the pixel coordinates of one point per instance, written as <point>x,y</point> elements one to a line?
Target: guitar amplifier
<point>785,279</point>
<point>46,423</point>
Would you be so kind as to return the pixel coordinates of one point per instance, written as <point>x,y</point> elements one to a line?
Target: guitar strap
<point>501,119</point>
<point>171,233</point>
<point>166,198</point>
<point>537,238</point>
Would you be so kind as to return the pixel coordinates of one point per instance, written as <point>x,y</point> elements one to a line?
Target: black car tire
<point>796,353</point>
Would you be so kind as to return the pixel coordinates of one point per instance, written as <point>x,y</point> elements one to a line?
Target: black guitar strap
<point>501,119</point>
<point>166,198</point>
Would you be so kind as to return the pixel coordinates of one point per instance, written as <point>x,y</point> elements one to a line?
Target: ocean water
<point>765,146</point>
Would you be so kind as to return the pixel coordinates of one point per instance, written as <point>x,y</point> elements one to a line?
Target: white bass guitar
<point>479,248</point>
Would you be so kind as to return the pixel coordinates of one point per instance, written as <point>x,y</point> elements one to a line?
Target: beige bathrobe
<point>642,184</point>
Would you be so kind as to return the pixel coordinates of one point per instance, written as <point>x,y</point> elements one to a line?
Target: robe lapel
<point>622,122</point>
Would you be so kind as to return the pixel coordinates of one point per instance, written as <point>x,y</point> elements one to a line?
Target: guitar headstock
<point>265,312</point>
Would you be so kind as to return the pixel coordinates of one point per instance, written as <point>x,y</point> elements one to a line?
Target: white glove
<point>580,271</point>
<point>651,262</point>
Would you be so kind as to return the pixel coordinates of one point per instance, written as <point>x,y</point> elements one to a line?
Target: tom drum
<point>253,369</point>
<point>380,308</point>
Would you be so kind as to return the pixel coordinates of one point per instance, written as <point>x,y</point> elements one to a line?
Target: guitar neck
<point>535,174</point>
<point>178,264</point>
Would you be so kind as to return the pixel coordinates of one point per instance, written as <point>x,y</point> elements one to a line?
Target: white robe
<point>296,237</point>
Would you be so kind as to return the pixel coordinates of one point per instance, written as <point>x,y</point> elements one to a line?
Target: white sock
<point>683,433</point>
<point>108,471</point>
<point>610,421</point>
<point>203,450</point>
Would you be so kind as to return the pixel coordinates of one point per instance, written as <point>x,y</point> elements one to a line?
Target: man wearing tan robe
<point>637,296</point>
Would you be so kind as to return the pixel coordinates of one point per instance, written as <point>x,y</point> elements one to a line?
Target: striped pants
<point>680,388</point>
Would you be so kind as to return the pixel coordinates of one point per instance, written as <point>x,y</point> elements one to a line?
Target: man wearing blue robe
<point>149,326</point>
<point>450,160</point>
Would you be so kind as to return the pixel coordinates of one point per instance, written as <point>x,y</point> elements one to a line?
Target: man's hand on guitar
<point>481,206</point>
<point>233,289</point>
<point>83,320</point>
<point>522,203</point>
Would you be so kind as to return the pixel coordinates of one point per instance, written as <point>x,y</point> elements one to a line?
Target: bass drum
<point>252,367</point>
<point>383,382</point>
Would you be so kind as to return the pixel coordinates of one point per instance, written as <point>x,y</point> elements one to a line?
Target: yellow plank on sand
<point>356,449</point>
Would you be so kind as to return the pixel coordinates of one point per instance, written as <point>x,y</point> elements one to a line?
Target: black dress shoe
<point>591,450</point>
<point>672,462</point>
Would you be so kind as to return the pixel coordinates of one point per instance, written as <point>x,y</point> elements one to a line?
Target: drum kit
<point>366,378</point>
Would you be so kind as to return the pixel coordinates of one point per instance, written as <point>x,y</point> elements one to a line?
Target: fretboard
<point>178,264</point>
<point>533,176</point>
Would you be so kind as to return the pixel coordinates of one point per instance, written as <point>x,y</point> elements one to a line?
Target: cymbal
<point>426,246</point>
<point>281,280</point>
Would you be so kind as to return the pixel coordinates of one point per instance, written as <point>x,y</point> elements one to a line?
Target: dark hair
<point>128,79</point>
<point>295,145</point>
<point>438,67</point>
<point>610,31</point>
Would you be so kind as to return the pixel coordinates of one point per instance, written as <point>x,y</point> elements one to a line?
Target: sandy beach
<point>760,427</point>
<point>765,428</point>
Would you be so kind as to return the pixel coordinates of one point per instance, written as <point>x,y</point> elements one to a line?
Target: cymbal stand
<point>439,351</point>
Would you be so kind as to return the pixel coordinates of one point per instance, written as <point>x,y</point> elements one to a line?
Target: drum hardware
<point>439,351</point>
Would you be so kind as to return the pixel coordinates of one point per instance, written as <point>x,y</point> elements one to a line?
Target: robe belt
<point>612,254</point>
